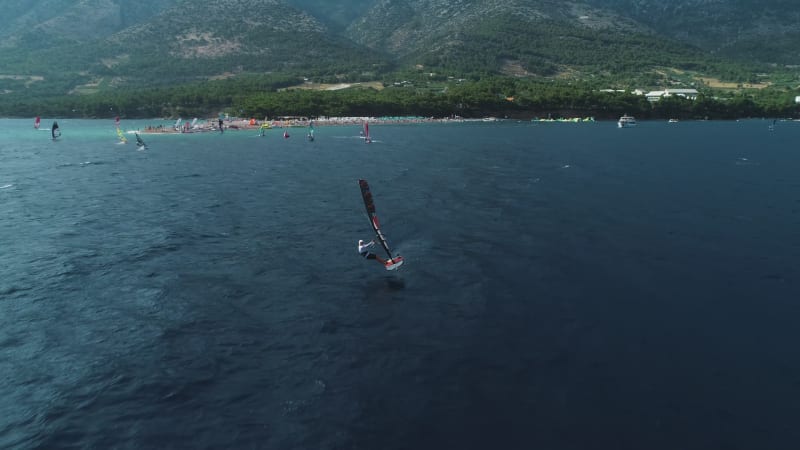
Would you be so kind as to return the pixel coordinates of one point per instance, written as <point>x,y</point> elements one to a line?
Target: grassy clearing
<point>717,84</point>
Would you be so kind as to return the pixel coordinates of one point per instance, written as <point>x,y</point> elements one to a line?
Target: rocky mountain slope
<point>66,44</point>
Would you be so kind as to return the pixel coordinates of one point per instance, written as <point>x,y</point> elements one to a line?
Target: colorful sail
<point>373,216</point>
<point>55,132</point>
<point>367,139</point>
<point>37,122</point>
<point>121,136</point>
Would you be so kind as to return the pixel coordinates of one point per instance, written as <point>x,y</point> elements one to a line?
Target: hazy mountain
<point>92,44</point>
<point>95,43</point>
<point>520,36</point>
<point>36,24</point>
<point>254,34</point>
<point>337,14</point>
<point>765,30</point>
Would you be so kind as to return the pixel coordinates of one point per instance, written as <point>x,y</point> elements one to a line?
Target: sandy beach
<point>234,124</point>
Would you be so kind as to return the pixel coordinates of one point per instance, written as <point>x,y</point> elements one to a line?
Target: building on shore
<point>655,96</point>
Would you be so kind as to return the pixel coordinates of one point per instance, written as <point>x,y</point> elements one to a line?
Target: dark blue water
<point>566,286</point>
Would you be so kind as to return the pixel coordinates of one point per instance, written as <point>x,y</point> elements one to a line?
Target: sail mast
<point>373,217</point>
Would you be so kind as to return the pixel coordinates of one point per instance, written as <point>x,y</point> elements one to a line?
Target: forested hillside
<point>750,30</point>
<point>337,14</point>
<point>40,24</point>
<point>51,49</point>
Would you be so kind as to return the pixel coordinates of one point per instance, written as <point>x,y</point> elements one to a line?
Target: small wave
<point>294,406</point>
<point>745,162</point>
<point>8,290</point>
<point>6,186</point>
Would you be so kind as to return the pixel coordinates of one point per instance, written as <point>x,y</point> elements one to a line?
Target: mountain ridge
<point>153,42</point>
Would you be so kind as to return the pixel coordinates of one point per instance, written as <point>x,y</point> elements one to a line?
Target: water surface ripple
<point>567,286</point>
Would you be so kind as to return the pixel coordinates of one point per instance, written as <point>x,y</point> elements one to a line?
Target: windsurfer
<point>140,143</point>
<point>363,251</point>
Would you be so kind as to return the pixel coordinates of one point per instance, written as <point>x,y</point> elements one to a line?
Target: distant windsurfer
<point>363,251</point>
<point>140,143</point>
<point>221,129</point>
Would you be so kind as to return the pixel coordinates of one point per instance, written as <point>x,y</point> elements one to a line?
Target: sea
<point>565,286</point>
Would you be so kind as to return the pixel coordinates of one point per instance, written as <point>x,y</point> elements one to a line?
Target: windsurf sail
<point>373,219</point>
<point>139,141</point>
<point>366,133</point>
<point>311,130</point>
<point>121,136</point>
<point>116,121</point>
<point>55,132</point>
<point>37,122</point>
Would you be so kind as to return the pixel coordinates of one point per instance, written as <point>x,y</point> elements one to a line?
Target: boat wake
<point>745,162</point>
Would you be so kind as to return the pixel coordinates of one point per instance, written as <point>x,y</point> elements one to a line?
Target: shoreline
<point>237,124</point>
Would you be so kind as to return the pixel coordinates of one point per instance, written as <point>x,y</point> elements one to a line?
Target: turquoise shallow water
<point>566,286</point>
